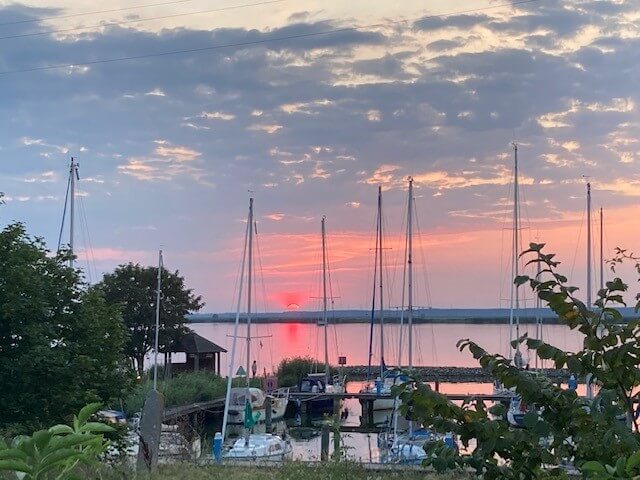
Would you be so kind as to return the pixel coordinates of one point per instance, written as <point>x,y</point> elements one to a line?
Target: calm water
<point>434,344</point>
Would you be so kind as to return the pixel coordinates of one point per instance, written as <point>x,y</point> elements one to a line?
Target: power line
<point>254,42</point>
<point>73,15</point>
<point>138,20</point>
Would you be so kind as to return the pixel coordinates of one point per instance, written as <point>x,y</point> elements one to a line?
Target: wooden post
<point>267,413</point>
<point>196,361</point>
<point>324,443</point>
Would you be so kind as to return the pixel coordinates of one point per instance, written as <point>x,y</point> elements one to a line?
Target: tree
<point>562,426</point>
<point>61,345</point>
<point>133,287</point>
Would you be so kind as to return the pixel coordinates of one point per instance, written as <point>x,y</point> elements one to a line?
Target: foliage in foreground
<point>291,370</point>
<point>57,453</point>
<point>598,436</point>
<point>60,342</point>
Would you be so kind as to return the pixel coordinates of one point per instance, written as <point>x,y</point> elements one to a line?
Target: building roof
<point>194,343</point>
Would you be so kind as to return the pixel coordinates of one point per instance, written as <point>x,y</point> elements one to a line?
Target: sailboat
<point>247,405</point>
<point>386,378</point>
<point>322,382</point>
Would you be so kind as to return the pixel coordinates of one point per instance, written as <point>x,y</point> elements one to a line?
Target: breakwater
<point>449,374</point>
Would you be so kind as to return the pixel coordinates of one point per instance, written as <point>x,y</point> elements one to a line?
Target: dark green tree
<point>61,345</point>
<point>133,287</point>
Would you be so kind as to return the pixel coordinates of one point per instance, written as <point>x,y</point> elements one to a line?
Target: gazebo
<point>202,355</point>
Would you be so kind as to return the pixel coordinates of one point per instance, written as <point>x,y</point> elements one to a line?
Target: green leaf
<point>14,466</point>
<point>530,419</point>
<point>633,462</point>
<point>42,438</point>
<point>593,467</point>
<point>87,411</point>
<point>97,427</point>
<point>61,429</point>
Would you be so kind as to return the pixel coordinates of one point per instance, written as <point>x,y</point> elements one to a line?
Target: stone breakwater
<point>450,374</point>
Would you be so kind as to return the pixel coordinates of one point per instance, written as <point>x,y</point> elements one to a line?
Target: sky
<point>288,102</point>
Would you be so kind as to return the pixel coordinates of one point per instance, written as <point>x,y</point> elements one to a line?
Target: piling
<point>324,443</point>
<point>267,413</point>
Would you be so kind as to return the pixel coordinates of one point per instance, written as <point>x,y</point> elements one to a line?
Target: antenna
<point>73,176</point>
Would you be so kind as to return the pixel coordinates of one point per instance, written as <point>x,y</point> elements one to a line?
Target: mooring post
<point>336,443</point>
<point>324,443</point>
<point>267,413</point>
<point>370,413</point>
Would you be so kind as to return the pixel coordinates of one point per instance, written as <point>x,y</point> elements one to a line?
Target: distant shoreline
<point>349,321</point>
<point>470,316</point>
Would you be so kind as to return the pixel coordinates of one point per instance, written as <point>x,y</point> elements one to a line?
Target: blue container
<point>217,447</point>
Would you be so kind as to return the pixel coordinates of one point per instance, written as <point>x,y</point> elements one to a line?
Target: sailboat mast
<point>227,402</point>
<point>588,245</point>
<point>324,302</point>
<point>410,270</point>
<point>514,301</point>
<point>73,172</point>
<point>249,297</point>
<point>601,249</point>
<point>157,334</point>
<point>381,283</point>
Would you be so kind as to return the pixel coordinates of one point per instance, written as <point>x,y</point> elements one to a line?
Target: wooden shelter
<point>202,355</point>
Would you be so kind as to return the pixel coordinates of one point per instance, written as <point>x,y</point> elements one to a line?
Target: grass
<point>183,389</point>
<point>289,471</point>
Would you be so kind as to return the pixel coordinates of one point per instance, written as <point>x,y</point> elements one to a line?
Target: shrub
<point>291,370</point>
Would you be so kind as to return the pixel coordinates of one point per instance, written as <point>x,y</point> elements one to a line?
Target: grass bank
<point>183,389</point>
<point>289,471</point>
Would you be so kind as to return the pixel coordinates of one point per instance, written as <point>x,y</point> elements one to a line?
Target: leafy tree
<point>60,343</point>
<point>592,434</point>
<point>292,370</point>
<point>133,287</point>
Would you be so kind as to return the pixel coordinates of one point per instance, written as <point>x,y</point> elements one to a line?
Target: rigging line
<point>138,20</point>
<point>97,12</point>
<point>264,300</point>
<point>254,42</point>
<point>575,254</point>
<point>332,303</point>
<point>64,215</point>
<point>373,301</point>
<point>91,262</point>
<point>425,270</point>
<point>424,257</point>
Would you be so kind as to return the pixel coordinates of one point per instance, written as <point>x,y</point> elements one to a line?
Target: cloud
<point>156,92</point>
<point>176,152</point>
<point>217,116</point>
<point>275,216</point>
<point>374,115</point>
<point>268,128</point>
<point>44,177</point>
<point>167,163</point>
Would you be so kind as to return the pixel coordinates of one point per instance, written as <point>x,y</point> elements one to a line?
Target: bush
<point>182,389</point>
<point>291,370</point>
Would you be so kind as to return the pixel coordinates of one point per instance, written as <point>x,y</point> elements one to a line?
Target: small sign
<point>241,372</point>
<point>342,360</point>
<point>270,384</point>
